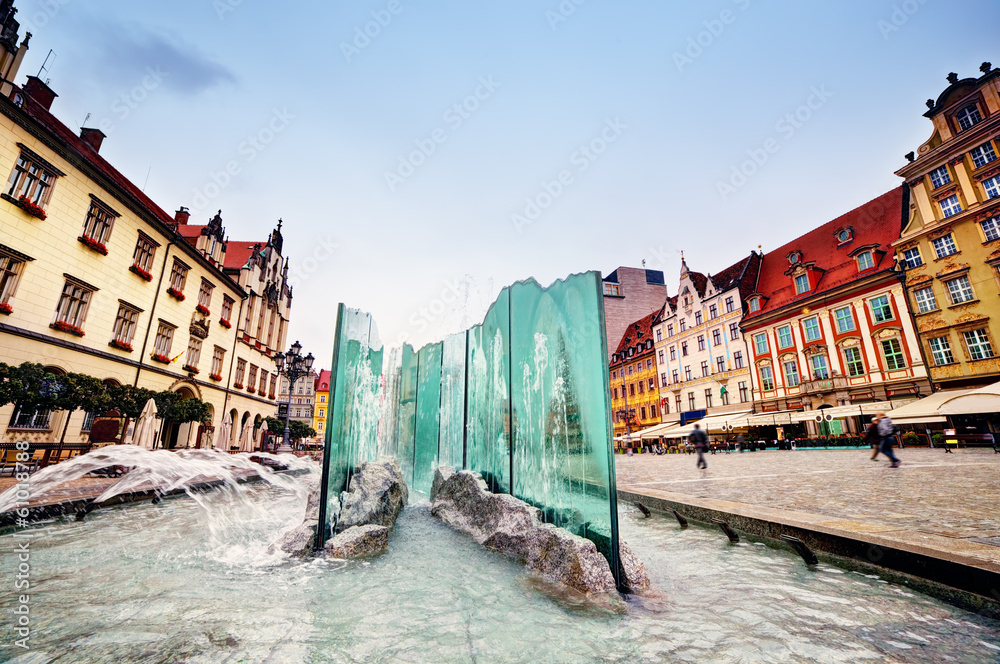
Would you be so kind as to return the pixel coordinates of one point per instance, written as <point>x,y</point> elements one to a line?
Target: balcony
<point>824,385</point>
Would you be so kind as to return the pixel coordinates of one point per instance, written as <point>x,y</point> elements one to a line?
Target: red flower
<point>5,308</point>
<point>94,245</point>
<point>176,294</point>
<point>135,269</point>
<point>31,208</point>
<point>215,377</point>
<point>225,323</point>
<point>63,326</point>
<point>238,386</point>
<point>203,310</point>
<point>190,369</point>
<point>121,345</point>
<point>163,359</point>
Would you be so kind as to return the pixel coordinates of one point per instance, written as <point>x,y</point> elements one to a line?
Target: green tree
<point>296,430</point>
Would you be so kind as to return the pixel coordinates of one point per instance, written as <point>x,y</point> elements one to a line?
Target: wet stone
<point>359,542</point>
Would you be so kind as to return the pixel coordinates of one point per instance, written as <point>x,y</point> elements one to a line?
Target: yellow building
<point>96,278</point>
<point>950,245</point>
<point>322,403</point>
<point>635,400</point>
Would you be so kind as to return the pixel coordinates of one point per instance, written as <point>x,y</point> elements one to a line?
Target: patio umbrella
<point>246,444</point>
<point>146,427</point>
<point>262,434</point>
<point>225,432</point>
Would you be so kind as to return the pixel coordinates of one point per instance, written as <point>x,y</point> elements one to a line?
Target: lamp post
<point>292,366</point>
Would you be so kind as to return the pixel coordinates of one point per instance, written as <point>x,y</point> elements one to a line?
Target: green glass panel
<point>428,417</point>
<point>406,424</point>
<point>453,400</point>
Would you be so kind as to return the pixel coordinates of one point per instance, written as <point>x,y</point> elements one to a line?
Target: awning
<point>658,430</point>
<point>983,400</point>
<point>717,423</point>
<point>927,409</point>
<point>857,410</point>
<point>775,418</point>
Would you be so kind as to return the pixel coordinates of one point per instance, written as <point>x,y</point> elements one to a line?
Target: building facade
<point>950,245</point>
<point>629,295</point>
<point>302,404</point>
<point>635,400</point>
<point>322,403</point>
<point>702,363</point>
<point>828,324</point>
<point>96,278</point>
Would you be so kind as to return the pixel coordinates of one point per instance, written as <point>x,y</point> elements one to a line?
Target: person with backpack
<point>700,442</point>
<point>886,429</point>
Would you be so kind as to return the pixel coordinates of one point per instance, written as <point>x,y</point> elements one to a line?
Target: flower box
<point>238,386</point>
<point>68,328</point>
<point>162,359</point>
<point>225,323</point>
<point>31,208</point>
<point>121,345</point>
<point>203,310</point>
<point>94,245</point>
<point>188,368</point>
<point>215,377</point>
<point>176,294</point>
<point>145,276</point>
<point>6,308</point>
<point>251,390</point>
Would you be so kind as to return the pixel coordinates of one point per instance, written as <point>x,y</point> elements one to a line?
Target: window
<point>274,383</point>
<point>855,365</point>
<point>713,311</point>
<point>701,342</point>
<point>142,257</point>
<point>227,308</point>
<point>766,379</point>
<point>738,359</point>
<point>687,372</point>
<point>642,413</point>
<point>691,402</point>
<point>659,334</point>
<point>704,369</point>
<point>791,373</point>
<point>652,385</point>
<point>820,368</point>
<point>729,305</point>
<point>968,117</point>
<point>73,304</point>
<point>614,374</point>
<point>241,367</point>
<point>631,389</point>
<point>982,155</point>
<point>865,261</point>
<point>925,300</point>
<point>734,331</point>
<point>991,228</point>
<point>912,259</point>
<point>708,398</point>
<point>322,398</point>
<point>720,364</point>
<point>252,378</point>
<point>950,206</point>
<point>844,236</point>
<point>960,290</point>
<point>845,320</point>
<point>754,304</point>
<point>616,393</point>
<point>717,337</point>
<point>760,343</point>
<point>99,222</point>
<point>193,353</point>
<point>941,351</point>
<point>662,357</point>
<point>944,246</point>
<point>164,339</point>
<point>978,344</point>
<point>940,177</point>
<point>684,348</point>
<point>663,379</point>
<point>649,364</point>
<point>724,395</point>
<point>697,318</point>
<point>670,330</point>
<point>205,294</point>
<point>801,284</point>
<point>893,352</point>
<point>683,324</point>
<point>29,419</point>
<point>218,355</point>
<point>744,395</point>
<point>992,187</point>
<point>673,352</point>
<point>674,376</point>
<point>612,289</point>
<point>32,178</point>
<point>630,370</point>
<point>125,324</point>
<point>322,412</point>
<point>11,268</point>
<point>642,386</point>
<point>811,326</point>
<point>785,337</point>
<point>178,276</point>
<point>881,311</point>
<point>88,422</point>
<point>666,406</point>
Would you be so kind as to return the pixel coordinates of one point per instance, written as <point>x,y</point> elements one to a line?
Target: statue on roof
<point>276,240</point>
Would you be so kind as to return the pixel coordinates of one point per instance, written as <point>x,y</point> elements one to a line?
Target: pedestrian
<point>740,442</point>
<point>872,437</point>
<point>886,429</point>
<point>700,442</point>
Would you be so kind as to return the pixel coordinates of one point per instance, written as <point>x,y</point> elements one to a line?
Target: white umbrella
<point>146,427</point>
<point>261,434</point>
<point>246,444</point>
<point>225,431</point>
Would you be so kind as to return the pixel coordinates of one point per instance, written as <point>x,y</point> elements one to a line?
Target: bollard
<point>730,533</point>
<point>800,547</point>
<point>680,519</point>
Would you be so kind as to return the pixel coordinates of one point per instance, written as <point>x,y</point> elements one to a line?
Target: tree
<point>296,430</point>
<point>128,399</point>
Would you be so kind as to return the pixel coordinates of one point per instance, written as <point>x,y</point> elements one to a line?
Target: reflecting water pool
<point>192,581</point>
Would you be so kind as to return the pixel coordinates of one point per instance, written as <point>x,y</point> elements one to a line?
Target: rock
<point>297,542</point>
<point>359,542</point>
<point>377,495</point>
<point>512,527</point>
<point>633,570</point>
<point>312,504</point>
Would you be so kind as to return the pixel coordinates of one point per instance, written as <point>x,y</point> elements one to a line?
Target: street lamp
<point>292,366</point>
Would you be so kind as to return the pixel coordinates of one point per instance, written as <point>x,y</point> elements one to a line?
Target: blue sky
<point>460,146</point>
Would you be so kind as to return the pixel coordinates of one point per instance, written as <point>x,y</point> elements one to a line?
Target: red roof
<point>323,381</point>
<point>238,253</point>
<point>639,332</point>
<point>875,224</point>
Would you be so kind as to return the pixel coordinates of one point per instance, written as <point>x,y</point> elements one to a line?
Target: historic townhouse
<point>629,294</point>
<point>634,397</point>
<point>96,278</point>
<point>950,244</point>
<point>322,395</point>
<point>828,323</point>
<point>702,363</point>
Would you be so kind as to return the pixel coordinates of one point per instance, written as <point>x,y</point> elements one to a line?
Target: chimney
<point>92,137</point>
<point>41,93</point>
<point>181,216</point>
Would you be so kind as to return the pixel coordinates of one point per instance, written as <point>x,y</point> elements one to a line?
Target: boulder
<point>377,494</point>
<point>359,542</point>
<point>633,570</point>
<point>297,542</point>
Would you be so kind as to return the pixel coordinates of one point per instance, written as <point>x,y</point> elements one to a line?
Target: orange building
<point>635,399</point>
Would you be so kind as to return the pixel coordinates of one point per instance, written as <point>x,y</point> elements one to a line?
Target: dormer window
<point>794,257</point>
<point>753,304</point>
<point>968,117</point>
<point>940,177</point>
<point>865,261</point>
<point>845,235</point>
<point>801,284</point>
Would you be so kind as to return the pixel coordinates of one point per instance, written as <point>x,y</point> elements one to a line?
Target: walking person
<point>872,437</point>
<point>886,429</point>
<point>700,442</point>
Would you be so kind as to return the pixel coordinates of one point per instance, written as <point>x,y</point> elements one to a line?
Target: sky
<point>422,155</point>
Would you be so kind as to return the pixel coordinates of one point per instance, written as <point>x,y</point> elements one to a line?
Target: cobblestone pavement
<point>951,495</point>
